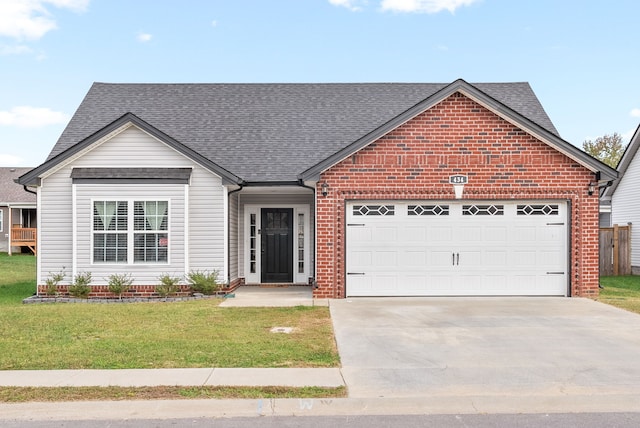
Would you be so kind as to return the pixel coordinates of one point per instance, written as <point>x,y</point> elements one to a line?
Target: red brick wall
<point>415,160</point>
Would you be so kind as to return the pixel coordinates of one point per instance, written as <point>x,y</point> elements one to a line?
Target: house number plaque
<point>458,179</point>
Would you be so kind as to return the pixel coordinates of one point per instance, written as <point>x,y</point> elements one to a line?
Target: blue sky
<point>580,57</point>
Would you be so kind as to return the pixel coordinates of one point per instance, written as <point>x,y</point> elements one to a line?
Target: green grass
<point>152,335</point>
<point>621,291</point>
<point>113,393</point>
<point>17,277</point>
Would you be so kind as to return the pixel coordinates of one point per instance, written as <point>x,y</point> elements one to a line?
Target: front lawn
<point>621,291</point>
<point>152,335</point>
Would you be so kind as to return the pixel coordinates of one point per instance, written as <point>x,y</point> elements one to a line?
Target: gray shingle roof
<point>11,192</point>
<point>269,132</point>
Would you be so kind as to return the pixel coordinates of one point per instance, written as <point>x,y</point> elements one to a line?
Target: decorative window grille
<point>110,231</point>
<point>377,210</point>
<point>428,210</point>
<point>543,209</point>
<point>252,243</point>
<point>490,210</point>
<point>300,243</point>
<point>150,223</point>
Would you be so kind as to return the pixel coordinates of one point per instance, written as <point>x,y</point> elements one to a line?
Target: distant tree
<point>608,148</point>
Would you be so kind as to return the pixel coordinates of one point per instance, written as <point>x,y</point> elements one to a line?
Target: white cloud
<point>353,5</point>
<point>144,37</point>
<point>31,117</point>
<point>635,112</point>
<point>214,23</point>
<point>31,19</point>
<point>424,6</point>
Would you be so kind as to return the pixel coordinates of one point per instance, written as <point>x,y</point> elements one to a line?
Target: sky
<point>580,57</point>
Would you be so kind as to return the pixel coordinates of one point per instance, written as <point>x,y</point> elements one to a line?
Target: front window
<point>150,220</point>
<point>110,231</point>
<point>130,231</point>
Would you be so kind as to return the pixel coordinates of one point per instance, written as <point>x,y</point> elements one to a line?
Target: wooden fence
<point>615,250</point>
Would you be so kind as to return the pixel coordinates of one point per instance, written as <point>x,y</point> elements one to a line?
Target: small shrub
<point>80,287</point>
<point>52,282</point>
<point>119,283</point>
<point>168,285</point>
<point>205,282</point>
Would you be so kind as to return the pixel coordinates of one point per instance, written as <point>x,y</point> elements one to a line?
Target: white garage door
<point>426,248</point>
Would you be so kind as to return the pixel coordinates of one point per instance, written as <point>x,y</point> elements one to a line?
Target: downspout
<point>24,186</point>
<point>229,230</point>
<point>314,284</point>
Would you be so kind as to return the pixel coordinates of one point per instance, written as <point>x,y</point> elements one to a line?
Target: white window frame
<point>131,232</point>
<point>298,278</point>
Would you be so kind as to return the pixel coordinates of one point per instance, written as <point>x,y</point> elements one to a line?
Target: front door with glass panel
<point>276,245</point>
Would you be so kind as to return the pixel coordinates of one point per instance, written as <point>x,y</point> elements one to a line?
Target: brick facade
<point>457,136</point>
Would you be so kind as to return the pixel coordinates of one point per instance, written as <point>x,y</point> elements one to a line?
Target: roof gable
<point>126,120</point>
<point>477,95</point>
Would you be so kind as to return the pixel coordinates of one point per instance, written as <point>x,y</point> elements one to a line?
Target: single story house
<point>18,221</point>
<point>623,197</point>
<point>357,189</point>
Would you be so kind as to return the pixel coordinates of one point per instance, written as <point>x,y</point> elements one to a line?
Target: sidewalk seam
<point>206,381</point>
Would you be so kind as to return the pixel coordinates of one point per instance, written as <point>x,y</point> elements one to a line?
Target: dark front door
<point>277,245</point>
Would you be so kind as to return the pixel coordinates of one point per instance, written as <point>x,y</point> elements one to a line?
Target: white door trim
<point>298,277</point>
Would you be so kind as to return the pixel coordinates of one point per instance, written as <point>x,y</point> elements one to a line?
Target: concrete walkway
<point>258,296</point>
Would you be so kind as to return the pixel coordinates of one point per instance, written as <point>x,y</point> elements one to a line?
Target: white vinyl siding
<point>55,237</point>
<point>133,148</point>
<point>625,207</point>
<point>207,223</point>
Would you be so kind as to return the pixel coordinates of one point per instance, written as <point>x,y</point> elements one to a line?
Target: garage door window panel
<point>373,210</point>
<point>433,210</point>
<point>546,209</point>
<point>485,210</point>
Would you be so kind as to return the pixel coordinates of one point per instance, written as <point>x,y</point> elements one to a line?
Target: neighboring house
<point>18,220</point>
<point>605,211</point>
<point>624,197</point>
<point>347,187</point>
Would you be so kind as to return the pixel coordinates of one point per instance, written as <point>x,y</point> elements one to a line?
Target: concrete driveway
<point>516,347</point>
